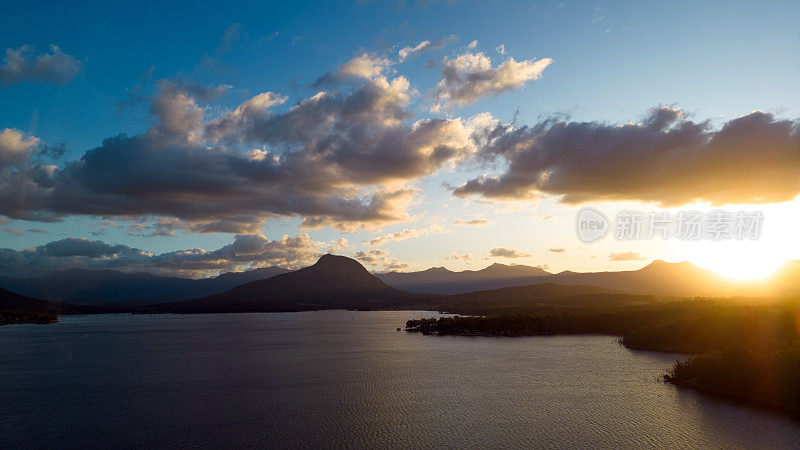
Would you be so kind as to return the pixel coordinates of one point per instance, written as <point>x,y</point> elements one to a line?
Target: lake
<point>346,379</point>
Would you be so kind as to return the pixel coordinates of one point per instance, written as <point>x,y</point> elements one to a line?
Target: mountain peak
<point>496,266</point>
<point>338,261</point>
<point>660,264</point>
<point>337,267</point>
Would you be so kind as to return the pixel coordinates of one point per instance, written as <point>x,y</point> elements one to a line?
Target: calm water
<point>345,379</point>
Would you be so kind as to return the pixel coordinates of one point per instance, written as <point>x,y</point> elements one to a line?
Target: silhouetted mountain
<point>15,302</point>
<point>438,280</point>
<point>658,278</point>
<point>333,282</point>
<point>108,286</point>
<point>538,297</point>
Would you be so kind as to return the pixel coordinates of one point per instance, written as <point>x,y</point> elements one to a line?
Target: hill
<point>332,282</point>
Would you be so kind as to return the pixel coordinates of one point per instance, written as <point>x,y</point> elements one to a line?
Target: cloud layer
<point>666,158</point>
<point>245,251</point>
<point>339,158</point>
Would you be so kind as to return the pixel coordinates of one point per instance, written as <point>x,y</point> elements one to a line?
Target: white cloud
<point>471,76</point>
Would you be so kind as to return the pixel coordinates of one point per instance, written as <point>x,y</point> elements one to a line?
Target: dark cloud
<point>331,160</point>
<point>22,65</point>
<point>244,252</point>
<point>666,158</point>
<point>84,247</point>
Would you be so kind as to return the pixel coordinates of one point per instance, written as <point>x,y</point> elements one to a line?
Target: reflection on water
<point>342,378</point>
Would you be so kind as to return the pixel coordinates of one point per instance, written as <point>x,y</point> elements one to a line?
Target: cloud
<point>424,46</point>
<point>472,44</point>
<point>367,66</point>
<point>408,233</point>
<point>16,147</point>
<point>506,252</point>
<point>556,250</point>
<point>200,92</point>
<point>108,223</point>
<point>626,256</point>
<point>473,222</point>
<point>370,257</point>
<point>338,246</point>
<point>666,158</point>
<point>466,257</point>
<point>22,65</point>
<point>136,229</point>
<point>377,257</point>
<point>244,116</point>
<point>246,251</point>
<point>339,158</point>
<point>471,76</point>
<point>38,230</point>
<point>12,231</point>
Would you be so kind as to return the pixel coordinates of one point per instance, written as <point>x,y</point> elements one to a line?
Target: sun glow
<point>738,266</point>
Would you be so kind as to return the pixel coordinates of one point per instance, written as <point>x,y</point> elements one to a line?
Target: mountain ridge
<point>333,282</point>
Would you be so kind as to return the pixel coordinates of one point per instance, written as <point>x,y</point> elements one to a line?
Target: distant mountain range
<point>337,281</point>
<point>438,280</point>
<point>545,297</point>
<point>333,282</point>
<point>80,286</point>
<point>15,302</point>
<point>681,279</point>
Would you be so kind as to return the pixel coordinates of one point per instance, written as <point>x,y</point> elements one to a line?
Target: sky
<point>191,139</point>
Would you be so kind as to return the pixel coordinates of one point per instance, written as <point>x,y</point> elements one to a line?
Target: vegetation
<point>744,349</point>
<point>12,316</point>
<point>765,376</point>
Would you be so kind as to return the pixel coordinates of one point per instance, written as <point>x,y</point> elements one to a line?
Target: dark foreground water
<point>346,379</point>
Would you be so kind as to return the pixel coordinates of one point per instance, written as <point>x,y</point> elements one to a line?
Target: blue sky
<point>611,63</point>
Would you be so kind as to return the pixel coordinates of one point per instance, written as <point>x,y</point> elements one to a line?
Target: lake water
<point>346,379</point>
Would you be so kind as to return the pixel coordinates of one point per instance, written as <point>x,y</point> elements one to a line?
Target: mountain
<point>109,286</point>
<point>537,298</point>
<point>657,278</point>
<point>438,280</point>
<point>333,282</point>
<point>10,301</point>
<point>682,279</point>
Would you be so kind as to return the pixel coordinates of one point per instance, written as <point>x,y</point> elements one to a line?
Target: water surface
<point>343,378</point>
